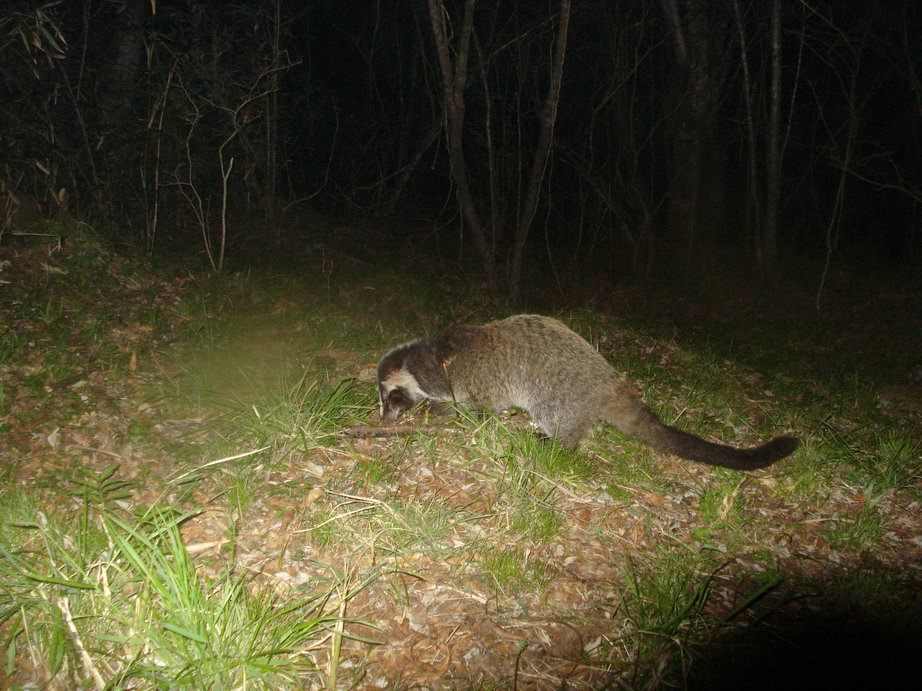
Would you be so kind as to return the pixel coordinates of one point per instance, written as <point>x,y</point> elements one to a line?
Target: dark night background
<point>749,167</point>
<point>172,126</point>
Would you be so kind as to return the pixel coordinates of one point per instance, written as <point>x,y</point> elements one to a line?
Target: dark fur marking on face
<point>398,401</point>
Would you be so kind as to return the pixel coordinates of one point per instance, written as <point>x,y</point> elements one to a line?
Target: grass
<point>229,431</point>
<point>303,416</point>
<point>861,532</point>
<point>893,461</point>
<point>376,471</point>
<point>547,458</point>
<point>10,345</point>
<point>386,526</point>
<point>631,468</point>
<point>513,571</point>
<point>536,519</point>
<point>4,407</point>
<point>722,503</point>
<point>664,600</point>
<point>118,601</point>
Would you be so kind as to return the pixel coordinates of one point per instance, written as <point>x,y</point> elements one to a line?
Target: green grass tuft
<point>115,600</point>
<point>721,502</point>
<point>861,532</point>
<point>514,570</point>
<point>664,600</point>
<point>305,415</point>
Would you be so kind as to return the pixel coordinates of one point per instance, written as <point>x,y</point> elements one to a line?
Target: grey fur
<point>538,364</point>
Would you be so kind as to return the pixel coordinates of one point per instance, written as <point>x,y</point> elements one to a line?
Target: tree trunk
<point>695,192</point>
<point>542,152</point>
<point>453,86</point>
<point>270,186</point>
<point>769,242</point>
<point>125,70</point>
<point>753,188</point>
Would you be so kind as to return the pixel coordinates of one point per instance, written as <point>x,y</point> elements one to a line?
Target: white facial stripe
<point>404,379</point>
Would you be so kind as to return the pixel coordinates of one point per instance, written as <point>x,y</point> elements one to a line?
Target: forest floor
<point>468,554</point>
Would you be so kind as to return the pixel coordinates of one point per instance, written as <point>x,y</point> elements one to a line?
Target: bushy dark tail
<point>649,428</point>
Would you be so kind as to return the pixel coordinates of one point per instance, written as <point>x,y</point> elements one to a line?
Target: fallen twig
<point>364,431</point>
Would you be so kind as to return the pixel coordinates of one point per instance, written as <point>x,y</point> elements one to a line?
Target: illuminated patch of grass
<point>720,501</point>
<point>664,601</point>
<point>861,532</point>
<point>114,600</point>
<point>513,570</point>
<point>390,526</point>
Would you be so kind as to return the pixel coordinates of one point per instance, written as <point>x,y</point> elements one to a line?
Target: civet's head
<point>398,390</point>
